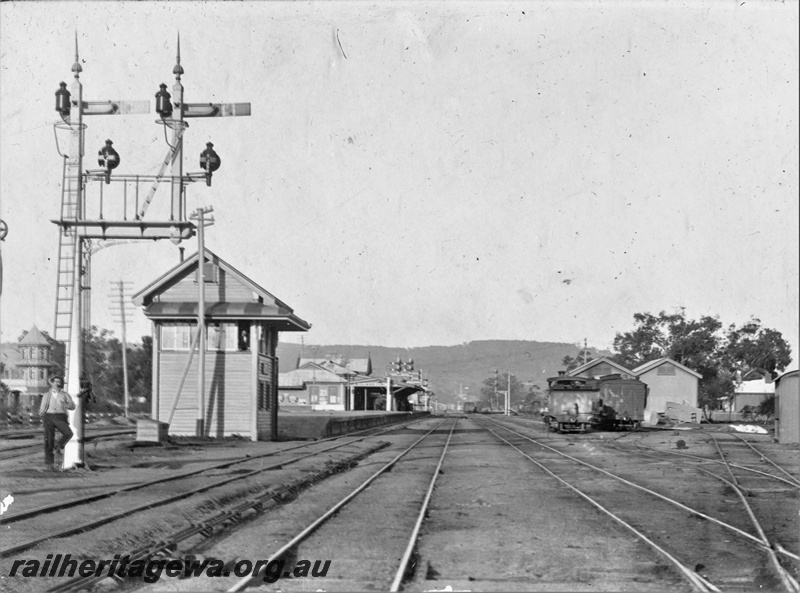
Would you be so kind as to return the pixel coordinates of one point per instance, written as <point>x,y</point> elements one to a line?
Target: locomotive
<point>609,402</point>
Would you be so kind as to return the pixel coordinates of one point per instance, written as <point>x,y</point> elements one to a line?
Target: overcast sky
<point>422,173</point>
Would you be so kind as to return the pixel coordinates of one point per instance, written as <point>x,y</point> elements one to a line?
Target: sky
<point>429,173</point>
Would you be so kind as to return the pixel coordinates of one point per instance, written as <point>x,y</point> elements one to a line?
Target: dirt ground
<point>496,523</point>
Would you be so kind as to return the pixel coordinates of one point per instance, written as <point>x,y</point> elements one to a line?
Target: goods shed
<point>672,386</point>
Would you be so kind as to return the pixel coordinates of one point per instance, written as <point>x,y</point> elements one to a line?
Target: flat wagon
<point>607,403</point>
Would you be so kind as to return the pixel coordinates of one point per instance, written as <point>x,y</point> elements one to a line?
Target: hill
<point>453,369</point>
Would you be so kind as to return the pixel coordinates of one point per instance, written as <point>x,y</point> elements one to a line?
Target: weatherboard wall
<point>228,385</point>
<point>220,287</point>
<point>666,388</point>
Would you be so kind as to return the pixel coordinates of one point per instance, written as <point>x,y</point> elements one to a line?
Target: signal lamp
<point>108,158</point>
<point>209,161</point>
<point>62,100</point>
<point>163,102</point>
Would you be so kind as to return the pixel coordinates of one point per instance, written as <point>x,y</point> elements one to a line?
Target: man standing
<point>53,412</point>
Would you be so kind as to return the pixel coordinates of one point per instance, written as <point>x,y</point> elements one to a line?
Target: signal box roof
<point>229,295</point>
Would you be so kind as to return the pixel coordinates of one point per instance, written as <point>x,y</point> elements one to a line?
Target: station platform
<point>319,424</point>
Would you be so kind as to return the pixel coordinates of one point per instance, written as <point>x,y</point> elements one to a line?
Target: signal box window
<point>177,336</point>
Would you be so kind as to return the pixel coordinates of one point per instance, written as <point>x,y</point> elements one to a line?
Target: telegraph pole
<point>508,394</point>
<point>199,215</point>
<point>119,296</point>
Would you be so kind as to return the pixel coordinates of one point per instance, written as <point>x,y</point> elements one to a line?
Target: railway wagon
<point>608,403</point>
<point>470,407</point>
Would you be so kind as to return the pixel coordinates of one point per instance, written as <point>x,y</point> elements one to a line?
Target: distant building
<point>752,393</point>
<point>669,382</point>
<point>345,367</point>
<point>27,381</point>
<point>242,322</point>
<point>787,408</point>
<point>322,383</point>
<point>314,386</point>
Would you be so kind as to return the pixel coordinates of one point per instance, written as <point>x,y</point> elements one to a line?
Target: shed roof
<point>581,370</point>
<point>793,373</point>
<point>649,366</point>
<point>361,366</point>
<point>310,373</point>
<point>758,386</point>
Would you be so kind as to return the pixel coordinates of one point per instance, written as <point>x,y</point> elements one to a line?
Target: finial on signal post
<point>76,67</point>
<point>178,69</point>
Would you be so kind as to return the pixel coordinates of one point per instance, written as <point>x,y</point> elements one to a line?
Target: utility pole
<point>508,394</point>
<point>202,222</point>
<point>119,295</point>
<point>494,400</point>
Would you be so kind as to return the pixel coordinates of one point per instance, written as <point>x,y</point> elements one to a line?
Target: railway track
<point>759,463</point>
<point>163,491</point>
<point>387,574</point>
<point>362,531</point>
<point>598,491</point>
<point>222,522</point>
<point>748,482</point>
<point>16,451</point>
<point>415,517</point>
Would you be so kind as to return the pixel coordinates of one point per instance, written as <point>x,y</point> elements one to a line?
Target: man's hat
<point>53,379</point>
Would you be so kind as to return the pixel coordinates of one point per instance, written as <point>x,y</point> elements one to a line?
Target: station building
<point>243,322</point>
<point>313,387</point>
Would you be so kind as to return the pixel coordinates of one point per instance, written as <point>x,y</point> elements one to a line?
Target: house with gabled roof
<point>669,382</point>
<point>242,323</point>
<point>600,367</point>
<point>752,393</point>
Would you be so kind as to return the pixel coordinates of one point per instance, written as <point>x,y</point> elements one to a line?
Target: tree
<point>103,366</point>
<point>140,374</point>
<point>494,399</point>
<point>752,347</point>
<point>702,346</point>
<point>534,400</point>
<point>582,358</point>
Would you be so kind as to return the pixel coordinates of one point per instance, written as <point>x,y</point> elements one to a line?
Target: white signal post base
<point>73,452</point>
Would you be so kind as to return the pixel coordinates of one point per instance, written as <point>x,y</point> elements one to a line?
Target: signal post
<point>85,218</point>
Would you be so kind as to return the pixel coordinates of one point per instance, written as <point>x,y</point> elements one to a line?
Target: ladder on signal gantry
<point>67,243</point>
